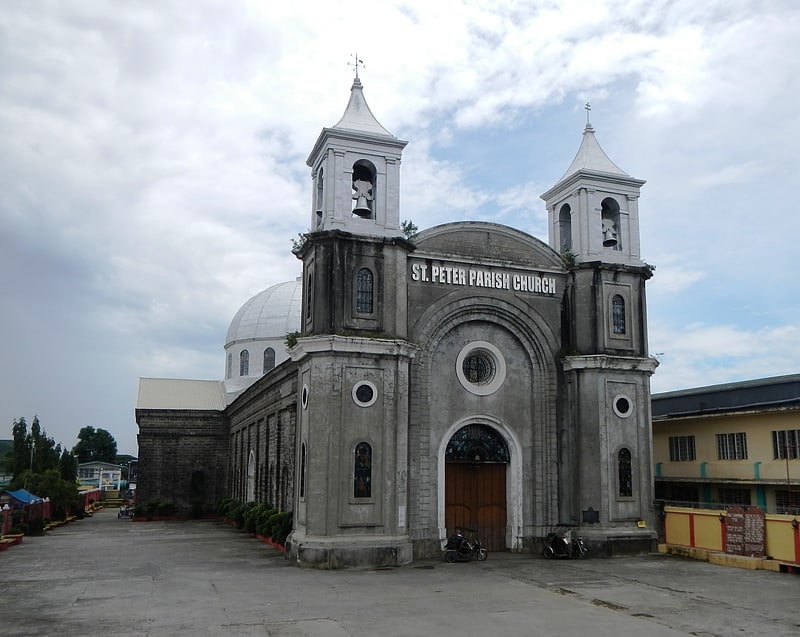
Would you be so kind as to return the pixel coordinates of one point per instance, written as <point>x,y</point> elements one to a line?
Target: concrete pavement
<point>102,576</point>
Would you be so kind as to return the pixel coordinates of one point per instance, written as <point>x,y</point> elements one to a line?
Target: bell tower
<point>353,356</point>
<point>593,210</point>
<point>606,459</point>
<point>356,173</point>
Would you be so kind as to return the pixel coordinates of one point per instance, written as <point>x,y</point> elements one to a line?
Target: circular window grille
<point>623,406</point>
<point>478,368</point>
<point>364,393</point>
<point>481,368</point>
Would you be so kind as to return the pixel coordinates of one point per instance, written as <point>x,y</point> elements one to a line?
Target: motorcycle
<point>565,546</point>
<point>460,549</point>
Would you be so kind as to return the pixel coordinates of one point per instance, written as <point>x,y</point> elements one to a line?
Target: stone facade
<point>470,376</point>
<point>183,457</point>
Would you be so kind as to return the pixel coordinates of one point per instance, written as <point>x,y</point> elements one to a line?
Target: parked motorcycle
<point>460,549</point>
<point>565,546</point>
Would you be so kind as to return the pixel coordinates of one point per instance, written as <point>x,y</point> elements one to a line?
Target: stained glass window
<point>479,368</point>
<point>303,470</point>
<point>362,471</point>
<point>476,443</point>
<point>618,314</point>
<point>364,291</point>
<point>625,473</point>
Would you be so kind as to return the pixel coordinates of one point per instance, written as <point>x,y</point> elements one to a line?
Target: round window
<point>304,396</point>
<point>623,406</point>
<point>364,393</point>
<point>480,368</point>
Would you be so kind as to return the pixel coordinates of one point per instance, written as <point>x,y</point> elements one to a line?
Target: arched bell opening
<point>565,228</point>
<point>609,213</point>
<point>364,189</point>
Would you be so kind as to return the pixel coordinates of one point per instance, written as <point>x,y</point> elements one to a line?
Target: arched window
<point>477,443</point>
<point>302,471</point>
<point>618,315</point>
<point>308,297</point>
<point>251,477</point>
<point>364,291</point>
<point>565,227</point>
<point>362,471</point>
<point>229,366</point>
<point>625,473</point>
<point>269,359</point>
<point>244,363</point>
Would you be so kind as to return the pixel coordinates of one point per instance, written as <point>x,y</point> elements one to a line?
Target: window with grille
<point>786,444</point>
<point>681,448</point>
<point>787,502</point>
<point>364,291</point>
<point>735,496</point>
<point>618,315</point>
<point>732,446</point>
<point>244,363</point>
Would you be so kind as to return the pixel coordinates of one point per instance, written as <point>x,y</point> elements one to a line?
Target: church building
<point>469,376</point>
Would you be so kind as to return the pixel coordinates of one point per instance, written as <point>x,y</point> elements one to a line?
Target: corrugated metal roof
<point>778,392</point>
<point>177,393</point>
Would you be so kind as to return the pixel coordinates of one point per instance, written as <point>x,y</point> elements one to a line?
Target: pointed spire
<point>357,115</point>
<point>590,157</point>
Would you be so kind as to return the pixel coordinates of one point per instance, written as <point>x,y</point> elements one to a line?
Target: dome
<point>270,314</point>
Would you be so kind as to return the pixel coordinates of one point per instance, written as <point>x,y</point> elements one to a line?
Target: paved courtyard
<point>103,576</point>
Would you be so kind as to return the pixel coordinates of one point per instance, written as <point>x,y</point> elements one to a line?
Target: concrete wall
<point>702,529</point>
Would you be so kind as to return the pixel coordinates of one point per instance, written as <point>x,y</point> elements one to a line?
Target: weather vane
<point>358,62</point>
<point>587,106</point>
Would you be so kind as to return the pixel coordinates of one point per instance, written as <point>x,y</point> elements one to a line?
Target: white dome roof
<point>270,314</point>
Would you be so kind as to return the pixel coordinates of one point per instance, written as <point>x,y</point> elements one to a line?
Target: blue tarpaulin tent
<point>23,497</point>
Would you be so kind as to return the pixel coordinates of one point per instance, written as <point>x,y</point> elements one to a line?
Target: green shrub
<point>262,527</point>
<point>225,505</point>
<point>252,517</point>
<point>238,515</point>
<point>284,527</point>
<point>166,507</point>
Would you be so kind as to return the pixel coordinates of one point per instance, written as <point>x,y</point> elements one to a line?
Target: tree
<point>68,466</point>
<point>63,494</point>
<point>95,445</point>
<point>21,451</point>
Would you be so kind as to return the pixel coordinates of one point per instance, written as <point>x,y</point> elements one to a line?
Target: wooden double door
<point>475,499</point>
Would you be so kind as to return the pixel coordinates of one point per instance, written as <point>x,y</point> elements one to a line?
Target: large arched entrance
<point>476,461</point>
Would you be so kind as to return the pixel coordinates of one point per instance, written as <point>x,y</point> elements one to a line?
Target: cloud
<point>152,166</point>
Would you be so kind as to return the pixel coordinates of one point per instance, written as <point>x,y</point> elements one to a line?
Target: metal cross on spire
<point>358,62</point>
<point>588,107</point>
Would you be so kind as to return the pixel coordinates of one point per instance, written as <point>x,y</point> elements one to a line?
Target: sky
<point>153,175</point>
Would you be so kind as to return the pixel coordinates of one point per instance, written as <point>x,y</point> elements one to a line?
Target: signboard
<point>734,531</point>
<point>443,273</point>
<point>754,532</point>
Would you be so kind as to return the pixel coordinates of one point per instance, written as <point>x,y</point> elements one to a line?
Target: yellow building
<point>737,443</point>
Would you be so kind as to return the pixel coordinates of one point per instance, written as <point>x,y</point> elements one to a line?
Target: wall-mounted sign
<point>445,273</point>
